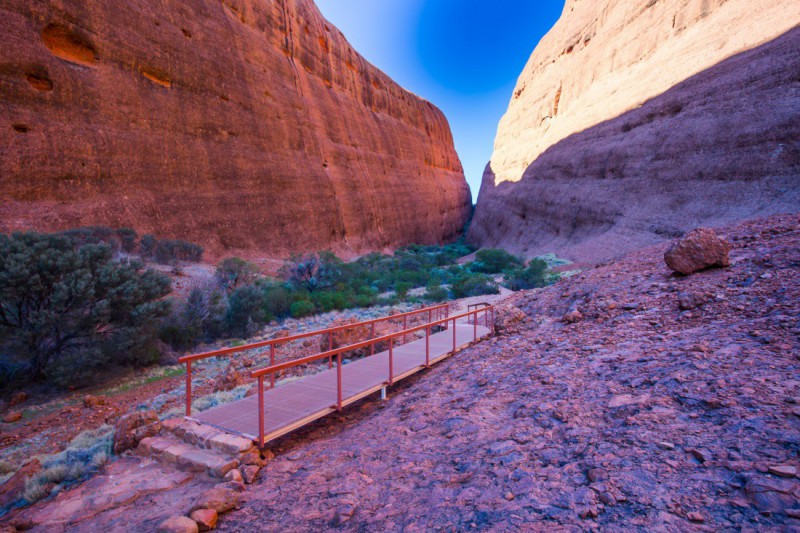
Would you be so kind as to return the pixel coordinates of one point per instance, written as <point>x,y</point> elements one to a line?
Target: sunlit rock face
<point>248,126</point>
<point>634,121</point>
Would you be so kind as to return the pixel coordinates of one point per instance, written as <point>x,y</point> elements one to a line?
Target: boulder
<point>178,524</point>
<point>508,319</point>
<point>692,300</point>
<point>221,499</point>
<point>229,379</point>
<point>699,249</point>
<point>206,519</point>
<point>250,473</point>
<point>14,416</point>
<point>573,316</point>
<point>128,432</point>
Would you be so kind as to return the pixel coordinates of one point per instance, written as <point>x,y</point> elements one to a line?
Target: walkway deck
<point>294,404</point>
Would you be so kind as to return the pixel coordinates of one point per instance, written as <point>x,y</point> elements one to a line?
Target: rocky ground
<point>625,397</point>
<point>638,415</point>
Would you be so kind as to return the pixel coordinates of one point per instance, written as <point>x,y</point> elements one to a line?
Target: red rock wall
<point>633,123</point>
<point>248,126</point>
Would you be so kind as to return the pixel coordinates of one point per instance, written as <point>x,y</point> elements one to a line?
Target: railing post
<point>391,361</point>
<point>330,347</point>
<point>272,363</point>
<point>428,347</point>
<point>430,315</point>
<point>454,335</point>
<point>260,411</point>
<point>372,336</point>
<point>447,315</point>
<point>188,388</point>
<point>405,327</point>
<point>475,326</point>
<point>339,381</point>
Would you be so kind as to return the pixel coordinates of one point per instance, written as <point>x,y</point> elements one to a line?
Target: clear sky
<point>463,55</point>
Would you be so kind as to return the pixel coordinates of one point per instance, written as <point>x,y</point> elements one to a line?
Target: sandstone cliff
<point>248,126</point>
<point>634,121</point>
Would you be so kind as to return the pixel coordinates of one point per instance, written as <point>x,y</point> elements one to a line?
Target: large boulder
<point>699,249</point>
<point>508,319</point>
<point>178,524</point>
<point>133,427</point>
<point>229,379</point>
<point>221,499</point>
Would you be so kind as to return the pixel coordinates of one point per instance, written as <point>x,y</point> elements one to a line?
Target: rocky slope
<point>246,126</point>
<point>633,414</point>
<point>634,121</point>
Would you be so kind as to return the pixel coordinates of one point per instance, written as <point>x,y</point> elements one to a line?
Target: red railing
<point>272,343</point>
<point>487,310</point>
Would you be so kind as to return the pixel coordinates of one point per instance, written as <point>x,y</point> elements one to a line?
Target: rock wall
<point>247,126</point>
<point>634,121</point>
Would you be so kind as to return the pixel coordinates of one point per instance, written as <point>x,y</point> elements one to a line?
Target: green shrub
<point>277,301</point>
<point>402,288</point>
<point>466,285</point>
<point>168,251</point>
<point>312,272</point>
<point>70,309</point>
<point>302,308</point>
<point>245,311</point>
<point>147,245</point>
<point>127,238</point>
<point>435,293</point>
<point>494,261</point>
<point>234,272</point>
<point>535,275</point>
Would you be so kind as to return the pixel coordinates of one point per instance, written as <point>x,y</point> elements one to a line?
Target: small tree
<point>494,261</point>
<point>534,276</point>
<point>59,301</point>
<point>234,272</point>
<point>245,310</point>
<point>311,272</point>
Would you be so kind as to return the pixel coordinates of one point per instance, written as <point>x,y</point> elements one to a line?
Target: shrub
<point>402,289</point>
<point>535,275</point>
<point>435,293</point>
<point>127,238</point>
<point>494,261</point>
<point>466,285</point>
<point>147,245</point>
<point>302,308</point>
<point>169,250</point>
<point>245,311</point>
<point>234,272</point>
<point>311,272</point>
<point>277,301</point>
<point>75,308</point>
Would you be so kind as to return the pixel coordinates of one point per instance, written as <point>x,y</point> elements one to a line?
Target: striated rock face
<point>246,126</point>
<point>635,121</point>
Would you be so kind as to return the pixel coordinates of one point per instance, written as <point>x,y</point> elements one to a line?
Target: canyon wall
<point>247,126</point>
<point>635,121</point>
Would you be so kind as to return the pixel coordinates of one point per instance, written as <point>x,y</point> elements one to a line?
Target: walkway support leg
<point>391,361</point>
<point>260,411</point>
<point>272,363</point>
<point>372,336</point>
<point>454,335</point>
<point>339,381</point>
<point>188,388</point>
<point>330,347</point>
<point>427,347</point>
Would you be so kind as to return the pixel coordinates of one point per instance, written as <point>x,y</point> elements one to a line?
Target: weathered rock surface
<point>638,417</point>
<point>178,524</point>
<point>246,126</point>
<point>698,249</point>
<point>632,123</point>
<point>12,489</point>
<point>133,427</point>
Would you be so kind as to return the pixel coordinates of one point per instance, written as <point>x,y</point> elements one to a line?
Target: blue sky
<point>463,55</point>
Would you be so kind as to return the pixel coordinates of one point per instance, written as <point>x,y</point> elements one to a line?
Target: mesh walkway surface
<point>294,404</point>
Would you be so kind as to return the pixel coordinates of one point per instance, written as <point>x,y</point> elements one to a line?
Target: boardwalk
<point>294,404</point>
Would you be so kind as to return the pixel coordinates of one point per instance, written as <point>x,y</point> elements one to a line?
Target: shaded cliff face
<point>247,126</point>
<point>632,123</point>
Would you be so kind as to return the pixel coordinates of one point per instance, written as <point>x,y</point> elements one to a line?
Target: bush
<point>75,308</point>
<point>127,238</point>
<point>494,261</point>
<point>168,251</point>
<point>435,293</point>
<point>245,311</point>
<point>535,275</point>
<point>402,289</point>
<point>302,308</point>
<point>466,285</point>
<point>277,301</point>
<point>311,272</point>
<point>235,272</point>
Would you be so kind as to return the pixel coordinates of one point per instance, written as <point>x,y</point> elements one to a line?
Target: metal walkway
<point>296,403</point>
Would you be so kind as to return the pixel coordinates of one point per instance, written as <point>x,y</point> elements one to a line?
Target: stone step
<point>185,456</point>
<point>207,437</point>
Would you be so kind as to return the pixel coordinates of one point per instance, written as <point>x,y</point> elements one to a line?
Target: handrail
<point>342,349</point>
<point>188,359</point>
<point>282,340</point>
<point>337,352</point>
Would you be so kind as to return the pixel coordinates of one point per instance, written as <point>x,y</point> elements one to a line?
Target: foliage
<point>470,284</point>
<point>167,251</point>
<point>535,275</point>
<point>245,311</point>
<point>302,308</point>
<point>234,272</point>
<point>494,261</point>
<point>312,272</point>
<point>66,310</point>
<point>435,293</point>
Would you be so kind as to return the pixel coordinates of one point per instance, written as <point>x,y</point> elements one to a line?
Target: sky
<point>464,56</point>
